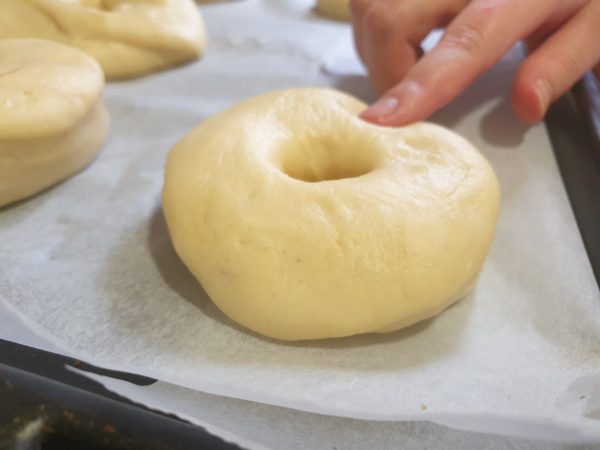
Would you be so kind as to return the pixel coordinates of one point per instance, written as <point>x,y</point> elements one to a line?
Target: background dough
<point>128,38</point>
<point>302,221</point>
<point>335,9</point>
<point>52,118</point>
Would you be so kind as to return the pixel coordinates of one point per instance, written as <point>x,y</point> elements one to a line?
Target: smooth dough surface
<point>128,38</point>
<point>52,118</point>
<point>335,9</point>
<point>302,221</point>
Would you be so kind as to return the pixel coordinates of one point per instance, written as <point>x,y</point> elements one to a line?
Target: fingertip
<point>530,98</point>
<point>389,112</point>
<point>380,110</point>
<point>401,105</point>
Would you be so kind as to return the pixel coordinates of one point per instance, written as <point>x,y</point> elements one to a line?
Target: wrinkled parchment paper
<point>259,426</point>
<point>90,265</point>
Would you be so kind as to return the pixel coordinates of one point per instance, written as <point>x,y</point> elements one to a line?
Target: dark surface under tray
<point>44,405</point>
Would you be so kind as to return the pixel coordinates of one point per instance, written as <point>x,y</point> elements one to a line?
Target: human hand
<point>564,36</point>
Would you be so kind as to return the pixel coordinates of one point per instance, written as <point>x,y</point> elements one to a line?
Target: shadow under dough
<point>176,275</point>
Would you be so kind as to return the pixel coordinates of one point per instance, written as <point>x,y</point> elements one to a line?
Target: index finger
<point>473,42</point>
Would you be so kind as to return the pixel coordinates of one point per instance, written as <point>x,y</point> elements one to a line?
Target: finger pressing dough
<point>302,221</point>
<point>52,118</point>
<point>128,38</point>
<point>335,9</point>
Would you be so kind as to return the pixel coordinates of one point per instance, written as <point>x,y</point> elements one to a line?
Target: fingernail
<point>382,108</point>
<point>399,109</point>
<point>543,91</point>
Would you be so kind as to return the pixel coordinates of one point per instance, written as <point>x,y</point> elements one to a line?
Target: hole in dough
<point>324,158</point>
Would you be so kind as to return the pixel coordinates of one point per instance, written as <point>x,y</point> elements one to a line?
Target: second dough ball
<point>53,121</point>
<point>334,9</point>
<point>128,38</point>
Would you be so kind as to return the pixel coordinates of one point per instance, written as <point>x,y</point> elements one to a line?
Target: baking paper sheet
<point>90,262</point>
<point>258,426</point>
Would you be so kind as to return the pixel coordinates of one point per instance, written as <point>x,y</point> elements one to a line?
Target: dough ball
<point>52,118</point>
<point>302,221</point>
<point>334,9</point>
<point>128,38</point>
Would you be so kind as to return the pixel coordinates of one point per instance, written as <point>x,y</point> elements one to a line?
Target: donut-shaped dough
<point>52,118</point>
<point>302,221</point>
<point>128,38</point>
<point>334,9</point>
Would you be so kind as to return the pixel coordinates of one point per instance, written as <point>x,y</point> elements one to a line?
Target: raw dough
<point>335,9</point>
<point>128,38</point>
<point>52,118</point>
<point>302,221</point>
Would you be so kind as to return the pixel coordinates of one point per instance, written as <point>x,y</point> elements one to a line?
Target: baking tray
<point>61,409</point>
<point>45,405</point>
<point>573,124</point>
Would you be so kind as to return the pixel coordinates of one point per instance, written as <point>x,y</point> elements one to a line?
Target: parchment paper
<point>90,264</point>
<point>258,426</point>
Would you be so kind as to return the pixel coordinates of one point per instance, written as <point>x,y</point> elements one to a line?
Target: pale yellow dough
<point>302,221</point>
<point>52,118</point>
<point>335,9</point>
<point>128,38</point>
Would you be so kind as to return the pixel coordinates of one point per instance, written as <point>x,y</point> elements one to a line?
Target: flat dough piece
<point>129,38</point>
<point>302,221</point>
<point>334,9</point>
<point>52,118</point>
